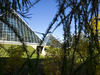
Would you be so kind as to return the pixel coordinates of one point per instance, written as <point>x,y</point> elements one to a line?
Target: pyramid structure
<point>49,41</point>
<point>20,26</point>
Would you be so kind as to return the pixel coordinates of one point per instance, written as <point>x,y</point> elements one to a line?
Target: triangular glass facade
<point>49,40</point>
<point>20,26</point>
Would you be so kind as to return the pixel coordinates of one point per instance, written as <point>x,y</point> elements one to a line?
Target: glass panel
<point>23,30</point>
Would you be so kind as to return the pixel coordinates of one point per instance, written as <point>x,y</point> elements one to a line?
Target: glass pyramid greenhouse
<point>51,40</point>
<point>24,31</point>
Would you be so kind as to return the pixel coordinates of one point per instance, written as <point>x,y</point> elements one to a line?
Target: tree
<point>22,7</point>
<point>52,62</point>
<point>15,59</point>
<point>81,12</point>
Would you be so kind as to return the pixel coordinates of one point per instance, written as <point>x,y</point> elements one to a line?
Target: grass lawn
<point>4,53</point>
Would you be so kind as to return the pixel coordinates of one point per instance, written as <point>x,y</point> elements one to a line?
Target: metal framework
<point>20,26</point>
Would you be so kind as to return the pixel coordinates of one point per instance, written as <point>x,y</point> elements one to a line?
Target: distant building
<point>51,40</point>
<point>8,36</point>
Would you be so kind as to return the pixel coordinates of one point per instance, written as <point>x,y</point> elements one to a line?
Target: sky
<point>42,15</point>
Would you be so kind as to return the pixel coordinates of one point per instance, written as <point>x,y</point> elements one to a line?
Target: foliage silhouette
<point>81,12</point>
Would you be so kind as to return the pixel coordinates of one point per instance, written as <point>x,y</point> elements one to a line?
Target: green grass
<point>4,53</point>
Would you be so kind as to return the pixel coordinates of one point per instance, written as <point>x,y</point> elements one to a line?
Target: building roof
<point>20,25</point>
<point>49,40</point>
